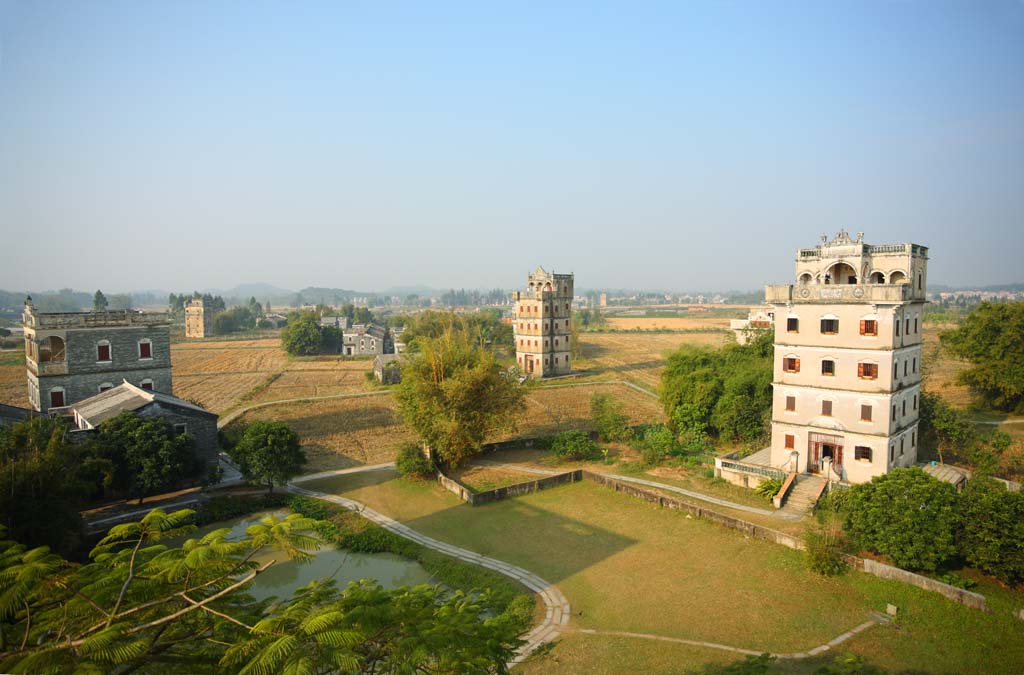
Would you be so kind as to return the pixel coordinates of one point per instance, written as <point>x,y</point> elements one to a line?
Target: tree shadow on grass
<point>357,418</point>
<point>349,482</point>
<point>548,544</point>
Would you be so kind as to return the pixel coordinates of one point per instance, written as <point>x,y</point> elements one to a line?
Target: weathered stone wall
<point>79,387</point>
<point>478,498</point>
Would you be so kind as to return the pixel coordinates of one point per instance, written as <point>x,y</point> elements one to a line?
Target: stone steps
<point>803,495</point>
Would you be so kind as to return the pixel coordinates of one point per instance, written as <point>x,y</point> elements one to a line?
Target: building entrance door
<point>822,446</point>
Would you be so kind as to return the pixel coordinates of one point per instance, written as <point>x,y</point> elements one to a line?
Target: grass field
<point>13,389</point>
<point>628,566</point>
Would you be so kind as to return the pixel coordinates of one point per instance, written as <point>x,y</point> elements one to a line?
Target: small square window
<point>792,325</point>
<point>791,365</point>
<point>829,326</point>
<point>145,350</point>
<point>862,452</point>
<point>867,371</point>
<point>826,408</point>
<point>790,441</point>
<point>865,413</point>
<point>180,429</point>
<point>102,352</point>
<point>869,327</point>
<point>828,368</point>
<point>791,403</point>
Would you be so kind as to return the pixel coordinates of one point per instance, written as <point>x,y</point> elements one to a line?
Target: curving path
<point>557,616</point>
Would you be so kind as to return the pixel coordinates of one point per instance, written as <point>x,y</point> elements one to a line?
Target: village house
<point>70,356</point>
<point>185,417</point>
<point>759,319</point>
<point>387,368</point>
<point>366,340</point>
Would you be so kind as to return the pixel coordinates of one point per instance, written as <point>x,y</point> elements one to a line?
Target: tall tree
<point>454,395</point>
<point>268,453</point>
<point>991,339</point>
<point>99,301</point>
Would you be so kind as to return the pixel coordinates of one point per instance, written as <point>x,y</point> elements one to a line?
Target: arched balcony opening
<point>52,350</point>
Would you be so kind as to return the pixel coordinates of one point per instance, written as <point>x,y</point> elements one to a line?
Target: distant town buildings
<point>543,324</point>
<point>847,383</point>
<point>71,356</point>
<point>198,320</point>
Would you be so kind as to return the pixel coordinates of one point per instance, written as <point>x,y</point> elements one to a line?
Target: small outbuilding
<point>387,368</point>
<point>187,418</point>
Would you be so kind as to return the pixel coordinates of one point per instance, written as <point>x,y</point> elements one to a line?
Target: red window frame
<point>103,352</point>
<point>145,350</point>
<point>790,441</point>
<point>56,399</point>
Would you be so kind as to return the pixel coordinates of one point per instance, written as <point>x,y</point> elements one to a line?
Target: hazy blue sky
<point>675,145</point>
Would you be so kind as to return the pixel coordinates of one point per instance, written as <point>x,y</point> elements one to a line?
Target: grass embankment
<point>626,565</point>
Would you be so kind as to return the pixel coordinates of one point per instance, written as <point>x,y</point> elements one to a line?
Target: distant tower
<point>71,356</point>
<point>604,299</point>
<point>542,325</point>
<point>198,322</point>
<point>847,383</point>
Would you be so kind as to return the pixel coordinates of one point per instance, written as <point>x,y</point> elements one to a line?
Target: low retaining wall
<point>881,570</point>
<point>526,487</point>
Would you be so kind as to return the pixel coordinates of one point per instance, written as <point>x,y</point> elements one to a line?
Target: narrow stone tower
<point>847,383</point>
<point>543,324</point>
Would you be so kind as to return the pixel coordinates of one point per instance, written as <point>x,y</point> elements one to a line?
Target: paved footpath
<point>557,616</point>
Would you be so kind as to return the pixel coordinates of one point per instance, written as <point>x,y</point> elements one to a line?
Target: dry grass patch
<point>484,478</point>
<point>639,357</point>
<point>323,379</point>
<point>550,410</point>
<point>696,322</point>
<point>341,433</point>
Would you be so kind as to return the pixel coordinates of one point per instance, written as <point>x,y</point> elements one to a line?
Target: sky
<point>362,145</point>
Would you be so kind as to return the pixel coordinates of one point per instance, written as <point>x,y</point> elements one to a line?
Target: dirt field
<point>636,357</point>
<point>940,369</point>
<point>696,322</point>
<point>13,389</point>
<point>224,374</point>
<point>367,430</point>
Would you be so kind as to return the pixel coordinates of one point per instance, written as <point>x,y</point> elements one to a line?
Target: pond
<point>285,575</point>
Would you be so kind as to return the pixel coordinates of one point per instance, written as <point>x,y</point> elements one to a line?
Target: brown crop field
<point>311,379</point>
<point>637,357</point>
<point>940,370</point>
<point>343,432</point>
<point>367,429</point>
<point>696,322</point>
<point>13,390</point>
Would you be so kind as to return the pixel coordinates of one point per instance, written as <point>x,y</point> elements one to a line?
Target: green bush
<point>609,419</point>
<point>992,518</point>
<point>574,445</point>
<point>825,546</point>
<point>906,515</point>
<point>954,579</point>
<point>769,488</point>
<point>660,437</point>
<point>412,463</point>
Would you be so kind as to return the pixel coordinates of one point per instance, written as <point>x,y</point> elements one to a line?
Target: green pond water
<point>285,575</point>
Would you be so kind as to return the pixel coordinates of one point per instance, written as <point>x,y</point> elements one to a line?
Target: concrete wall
<point>526,487</point>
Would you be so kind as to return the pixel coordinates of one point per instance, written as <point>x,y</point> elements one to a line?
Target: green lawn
<point>626,565</point>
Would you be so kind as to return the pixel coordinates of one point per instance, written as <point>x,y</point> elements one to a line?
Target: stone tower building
<point>198,322</point>
<point>71,356</point>
<point>847,382</point>
<point>542,324</point>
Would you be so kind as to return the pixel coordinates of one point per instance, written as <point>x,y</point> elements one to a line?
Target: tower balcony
<point>881,294</point>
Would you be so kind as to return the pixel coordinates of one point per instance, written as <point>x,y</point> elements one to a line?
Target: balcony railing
<point>124,317</point>
<point>753,469</point>
<point>852,293</point>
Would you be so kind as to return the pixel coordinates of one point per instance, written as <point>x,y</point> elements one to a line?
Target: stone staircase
<point>803,495</point>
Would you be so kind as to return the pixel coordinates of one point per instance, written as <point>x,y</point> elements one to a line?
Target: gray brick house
<point>71,356</point>
<point>185,417</point>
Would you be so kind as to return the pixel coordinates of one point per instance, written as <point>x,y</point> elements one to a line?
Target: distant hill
<point>259,291</point>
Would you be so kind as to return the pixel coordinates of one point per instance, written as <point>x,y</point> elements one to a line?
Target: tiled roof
<point>126,396</point>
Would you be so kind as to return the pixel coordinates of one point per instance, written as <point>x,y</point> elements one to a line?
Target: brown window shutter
<point>863,327</point>
<point>860,369</point>
<point>796,365</point>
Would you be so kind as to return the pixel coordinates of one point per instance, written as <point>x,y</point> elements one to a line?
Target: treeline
<point>485,327</point>
<point>473,297</point>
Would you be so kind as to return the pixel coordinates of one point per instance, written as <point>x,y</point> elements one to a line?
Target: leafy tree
<point>147,456</point>
<point>944,429</point>
<point>725,392</point>
<point>301,337</point>
<point>575,445</point>
<point>269,452</point>
<point>993,529</point>
<point>141,604</point>
<point>991,339</point>
<point>99,301</point>
<point>330,339</point>
<point>906,515</point>
<point>41,484</point>
<point>609,419</point>
<point>454,395</point>
<point>658,442</point>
